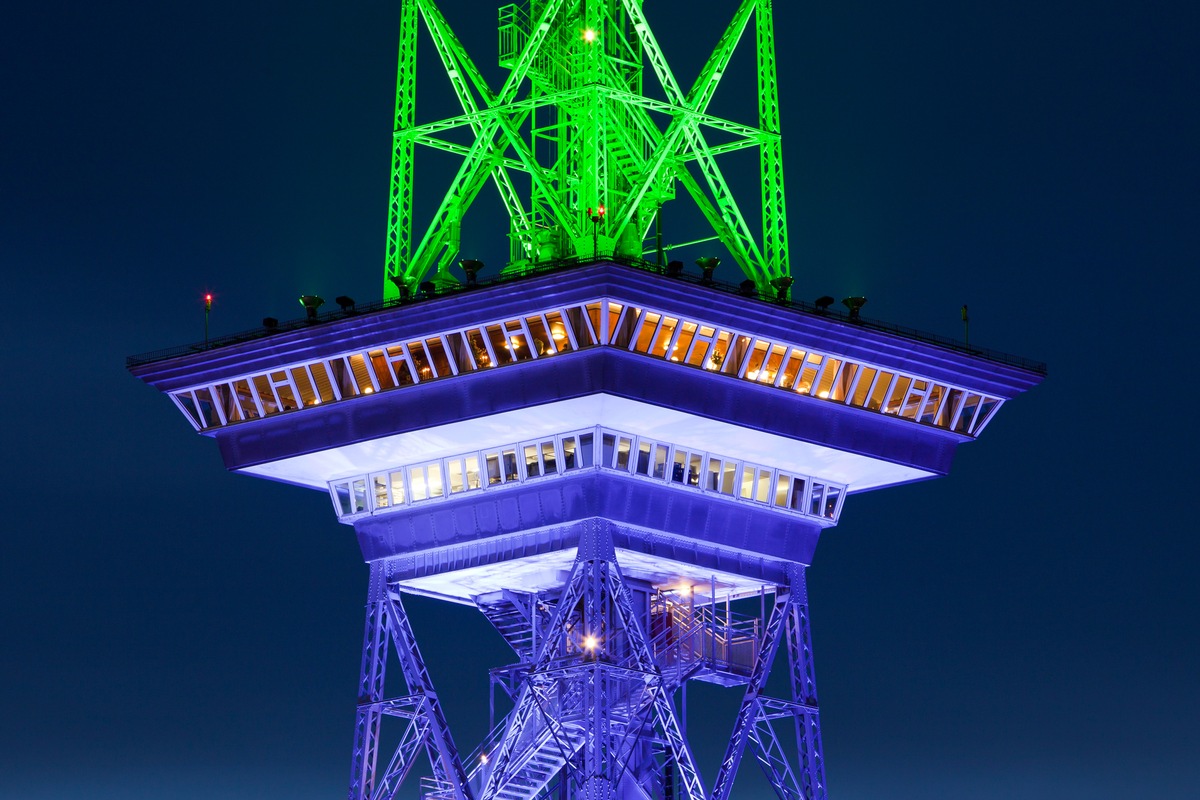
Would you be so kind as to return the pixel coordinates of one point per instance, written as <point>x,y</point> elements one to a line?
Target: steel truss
<point>594,715</point>
<point>599,157</point>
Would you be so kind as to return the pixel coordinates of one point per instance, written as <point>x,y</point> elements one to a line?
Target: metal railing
<point>567,264</point>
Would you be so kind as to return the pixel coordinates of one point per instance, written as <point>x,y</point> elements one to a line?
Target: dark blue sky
<point>1022,628</point>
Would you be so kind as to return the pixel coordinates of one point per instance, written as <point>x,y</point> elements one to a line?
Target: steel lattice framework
<point>599,156</point>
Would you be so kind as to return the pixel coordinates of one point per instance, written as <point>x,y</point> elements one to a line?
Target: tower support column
<point>387,624</point>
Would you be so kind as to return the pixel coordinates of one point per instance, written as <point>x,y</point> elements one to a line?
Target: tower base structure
<point>626,473</point>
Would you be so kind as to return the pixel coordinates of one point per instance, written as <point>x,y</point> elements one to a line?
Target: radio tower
<point>624,466</point>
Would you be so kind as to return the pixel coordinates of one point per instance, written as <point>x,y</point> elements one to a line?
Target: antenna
<point>572,124</point>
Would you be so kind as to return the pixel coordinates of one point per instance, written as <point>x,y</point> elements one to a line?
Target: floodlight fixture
<point>854,304</point>
<point>270,323</point>
<point>674,269</point>
<point>428,289</point>
<point>311,303</point>
<point>472,267</point>
<point>781,285</point>
<point>346,303</point>
<point>707,265</point>
<point>823,303</point>
<point>748,288</point>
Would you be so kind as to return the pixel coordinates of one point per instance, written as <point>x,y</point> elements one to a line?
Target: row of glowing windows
<point>597,447</point>
<point>784,366</point>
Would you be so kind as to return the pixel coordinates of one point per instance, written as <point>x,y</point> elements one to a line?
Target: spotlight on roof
<point>823,303</point>
<point>854,304</point>
<point>782,284</point>
<point>346,303</point>
<point>401,287</point>
<point>748,288</point>
<point>472,267</point>
<point>311,303</point>
<point>674,269</point>
<point>707,265</point>
<point>270,323</point>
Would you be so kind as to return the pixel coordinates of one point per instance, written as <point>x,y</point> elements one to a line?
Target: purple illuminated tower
<point>624,466</point>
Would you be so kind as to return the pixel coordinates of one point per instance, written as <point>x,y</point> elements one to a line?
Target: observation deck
<point>606,391</point>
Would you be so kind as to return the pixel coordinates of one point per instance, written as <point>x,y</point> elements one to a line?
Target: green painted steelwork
<point>598,156</point>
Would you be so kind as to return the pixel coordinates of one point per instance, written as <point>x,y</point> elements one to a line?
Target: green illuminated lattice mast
<point>599,157</point>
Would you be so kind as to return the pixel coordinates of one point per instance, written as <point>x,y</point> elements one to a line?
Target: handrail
<point>566,264</point>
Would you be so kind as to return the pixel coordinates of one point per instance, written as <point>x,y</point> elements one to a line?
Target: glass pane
<point>614,315</point>
<point>586,449</point>
<point>500,344</point>
<point>622,334</point>
<point>360,495</point>
<point>694,469</point>
<point>479,349</point>
<point>593,312</point>
<point>420,361</point>
<point>189,407</point>
<point>308,396</point>
<point>729,478</point>
<point>825,389</point>
<point>380,490</point>
<point>990,404</point>
<point>458,351</point>
<point>358,366</point>
<point>608,450</point>
<point>831,500</point>
<point>493,469</point>
<point>472,472</point>
<point>559,329</point>
<point>812,365</point>
<point>342,492</point>
<point>624,445</point>
<point>266,395</point>
<point>549,462</point>
<point>437,354</point>
<point>798,485</point>
<point>532,467</point>
<point>747,487</point>
<point>970,406</point>
<point>843,382</point>
<point>771,369</point>
<point>720,348</point>
<point>510,465</point>
<point>420,487</point>
<point>713,481</point>
<point>643,458</point>
<point>645,332</point>
<point>814,507</point>
<point>794,364</point>
<point>757,358</point>
<point>660,461</point>
<point>434,471</point>
<point>518,343</point>
<point>932,401</point>
<point>397,359</point>
<point>569,444</point>
<point>737,353</point>
<point>882,382</point>
<point>541,337</point>
<point>781,490</point>
<point>764,485</point>
<point>864,386</point>
<point>899,392</point>
<point>663,340</point>
<point>397,480</point>
<point>679,466</point>
<point>458,483</point>
<point>684,342</point>
<point>382,372</point>
<point>245,400</point>
<point>914,399</point>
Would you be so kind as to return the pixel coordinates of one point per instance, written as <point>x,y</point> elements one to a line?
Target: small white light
<point>590,642</point>
<point>589,35</point>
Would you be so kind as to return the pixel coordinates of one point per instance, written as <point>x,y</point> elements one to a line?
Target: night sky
<point>1024,628</point>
